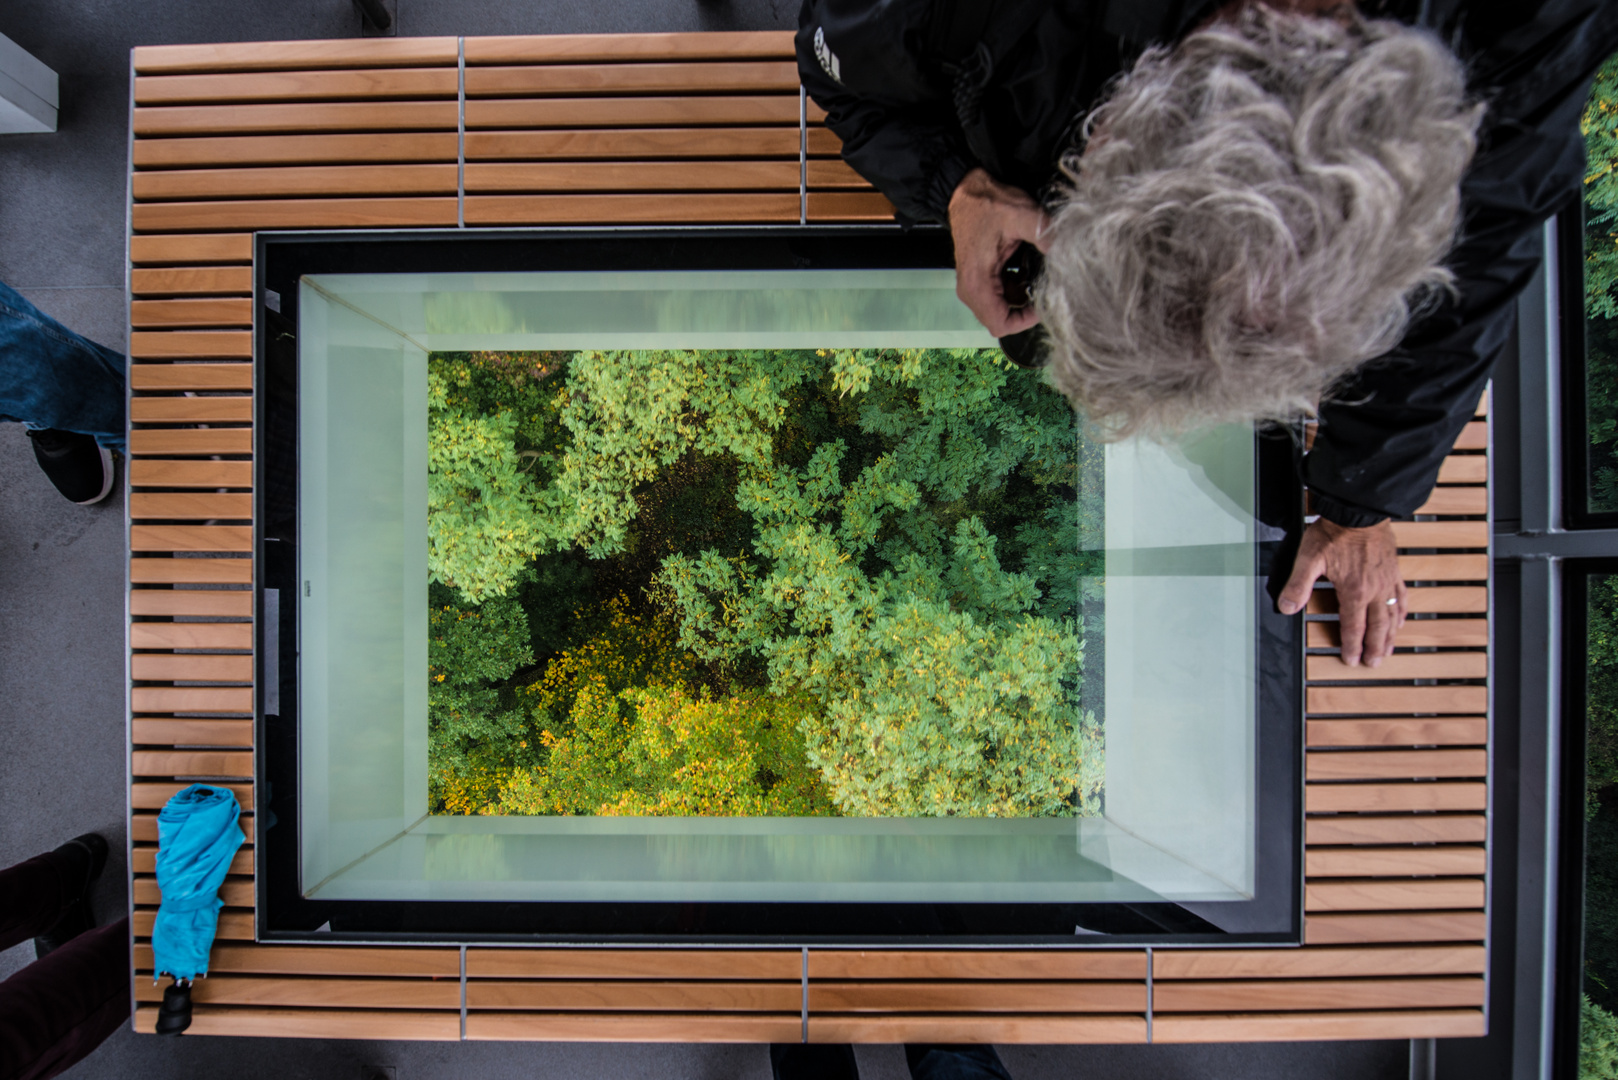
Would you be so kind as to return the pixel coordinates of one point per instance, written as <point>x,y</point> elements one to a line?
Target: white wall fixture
<point>28,92</point>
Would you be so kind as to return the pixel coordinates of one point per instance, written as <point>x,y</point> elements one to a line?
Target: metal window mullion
<point>803,155</point>
<point>460,162</point>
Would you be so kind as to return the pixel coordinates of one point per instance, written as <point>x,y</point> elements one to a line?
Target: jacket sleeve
<point>1385,433</point>
<point>913,153</point>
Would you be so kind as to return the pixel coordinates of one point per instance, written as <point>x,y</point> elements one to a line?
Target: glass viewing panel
<point>751,586</point>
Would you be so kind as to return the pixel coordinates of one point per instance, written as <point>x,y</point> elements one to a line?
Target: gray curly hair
<point>1258,211</point>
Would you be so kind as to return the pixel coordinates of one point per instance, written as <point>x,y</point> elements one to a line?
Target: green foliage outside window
<point>808,582</point>
<point>1600,126</point>
<point>1598,1028</point>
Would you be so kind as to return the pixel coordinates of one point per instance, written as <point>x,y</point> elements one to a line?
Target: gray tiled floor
<point>62,567</point>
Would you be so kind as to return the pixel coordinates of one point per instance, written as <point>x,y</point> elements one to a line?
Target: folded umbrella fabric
<point>197,836</point>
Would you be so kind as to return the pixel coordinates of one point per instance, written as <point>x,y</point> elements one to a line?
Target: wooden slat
<point>634,144</point>
<point>203,153</point>
<point>1464,469</point>
<point>295,55</point>
<point>149,732</point>
<point>301,180</point>
<point>1394,764</point>
<point>143,860</point>
<point>968,997</point>
<point>611,996</point>
<point>190,571</point>
<point>1402,829</point>
<point>182,250</point>
<point>628,209</point>
<point>1445,665</point>
<point>192,281</point>
<point>194,505</point>
<point>326,960</point>
<point>234,924</point>
<point>1316,963</point>
<point>1444,567</point>
<point>1442,633</point>
<point>1447,731</point>
<point>849,206</point>
<point>1259,1027</point>
<point>170,635</point>
<point>366,116</point>
<point>149,795</point>
<point>192,699</point>
<point>214,311</point>
<point>1298,995</point>
<point>187,345</point>
<point>914,964</point>
<point>1370,798</point>
<point>835,173</point>
<point>1441,534</point>
<point>634,176</point>
<point>350,992</point>
<point>1393,895</point>
<point>237,603</point>
<point>634,1027</point>
<point>191,538</point>
<point>210,409</point>
<point>191,376</point>
<point>364,213</point>
<point>1395,861</point>
<point>977,1029</point>
<point>191,762</point>
<point>1446,599</point>
<point>586,48</point>
<point>1370,700</point>
<point>191,667</point>
<point>305,1023</point>
<point>1474,436</point>
<point>368,84</point>
<point>235,892</point>
<point>1404,926</point>
<point>160,441</point>
<point>1456,500</point>
<point>633,964</point>
<point>632,112</point>
<point>191,474</point>
<point>556,80</point>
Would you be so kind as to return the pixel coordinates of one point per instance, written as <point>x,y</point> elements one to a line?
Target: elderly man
<point>1249,211</point>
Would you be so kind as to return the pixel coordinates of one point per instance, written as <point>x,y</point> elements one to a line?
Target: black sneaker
<point>79,862</point>
<point>80,468</point>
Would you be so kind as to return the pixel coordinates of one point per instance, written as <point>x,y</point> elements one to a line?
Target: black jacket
<point>921,91</point>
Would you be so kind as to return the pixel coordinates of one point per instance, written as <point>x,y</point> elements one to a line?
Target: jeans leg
<point>813,1061</point>
<point>57,1009</point>
<point>931,1062</point>
<point>51,377</point>
<point>31,900</point>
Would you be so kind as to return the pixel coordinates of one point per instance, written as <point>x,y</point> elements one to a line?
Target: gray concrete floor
<point>62,759</point>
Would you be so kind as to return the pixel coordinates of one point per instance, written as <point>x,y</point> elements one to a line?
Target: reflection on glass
<point>1598,1049</point>
<point>778,586</point>
<point>1600,126</point>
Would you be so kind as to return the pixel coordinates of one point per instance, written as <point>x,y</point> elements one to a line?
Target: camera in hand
<point>1018,274</point>
<point>1025,349</point>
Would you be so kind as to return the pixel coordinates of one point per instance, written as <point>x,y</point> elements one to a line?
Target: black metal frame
<point>1273,917</point>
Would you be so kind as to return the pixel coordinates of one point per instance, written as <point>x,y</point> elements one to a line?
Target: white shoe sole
<point>106,477</point>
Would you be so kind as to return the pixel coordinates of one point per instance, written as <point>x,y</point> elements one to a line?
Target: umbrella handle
<point>175,1014</point>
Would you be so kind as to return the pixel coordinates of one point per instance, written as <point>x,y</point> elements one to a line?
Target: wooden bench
<point>681,128</point>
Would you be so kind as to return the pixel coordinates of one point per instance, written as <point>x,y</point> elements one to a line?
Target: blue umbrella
<point>197,836</point>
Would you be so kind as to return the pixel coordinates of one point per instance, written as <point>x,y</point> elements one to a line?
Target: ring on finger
<point>1392,600</point>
